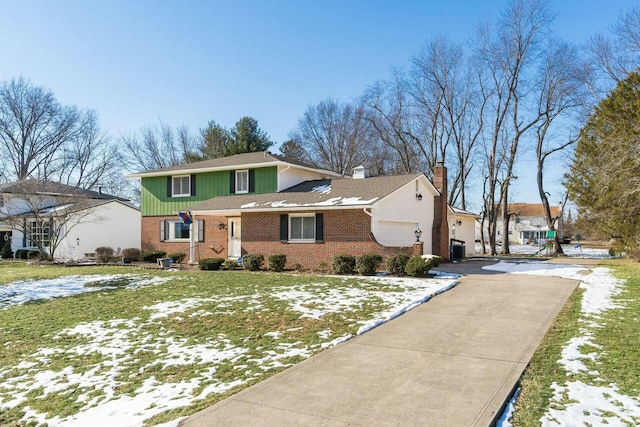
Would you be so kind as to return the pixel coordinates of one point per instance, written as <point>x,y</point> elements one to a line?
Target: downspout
<point>192,242</point>
<point>371,224</point>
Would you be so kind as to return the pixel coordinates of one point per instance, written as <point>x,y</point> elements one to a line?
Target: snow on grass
<point>570,250</point>
<point>574,402</point>
<point>32,290</point>
<point>117,347</point>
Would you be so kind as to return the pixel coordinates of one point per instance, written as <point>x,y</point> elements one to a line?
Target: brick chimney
<point>440,230</point>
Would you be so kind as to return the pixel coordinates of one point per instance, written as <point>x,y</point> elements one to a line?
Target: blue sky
<point>188,62</point>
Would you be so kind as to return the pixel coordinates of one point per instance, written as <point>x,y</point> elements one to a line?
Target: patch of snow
<point>591,405</point>
<point>121,342</point>
<point>577,403</point>
<point>250,205</point>
<point>24,291</point>
<point>323,189</point>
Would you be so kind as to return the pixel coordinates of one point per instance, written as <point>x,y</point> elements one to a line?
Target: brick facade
<point>214,245</point>
<point>345,231</point>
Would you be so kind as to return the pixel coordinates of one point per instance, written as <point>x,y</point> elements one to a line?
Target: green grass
<point>236,313</point>
<point>618,360</point>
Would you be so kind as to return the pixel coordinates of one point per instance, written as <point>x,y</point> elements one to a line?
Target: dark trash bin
<point>457,252</point>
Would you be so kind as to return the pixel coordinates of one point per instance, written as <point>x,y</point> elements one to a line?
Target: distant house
<point>527,223</point>
<point>76,220</point>
<point>260,203</point>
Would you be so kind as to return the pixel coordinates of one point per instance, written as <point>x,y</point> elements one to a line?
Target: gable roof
<point>525,210</point>
<point>462,212</point>
<point>50,188</point>
<point>324,193</point>
<point>245,160</point>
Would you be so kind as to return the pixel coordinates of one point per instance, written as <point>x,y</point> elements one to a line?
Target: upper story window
<point>242,181</point>
<point>181,186</point>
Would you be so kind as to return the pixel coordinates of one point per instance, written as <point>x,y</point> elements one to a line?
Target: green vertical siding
<point>208,185</point>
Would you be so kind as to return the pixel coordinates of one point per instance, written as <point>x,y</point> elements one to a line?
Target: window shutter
<point>201,230</point>
<point>169,189</point>
<point>319,228</point>
<point>284,228</point>
<point>193,184</point>
<point>232,182</point>
<point>163,229</point>
<point>24,233</point>
<point>252,181</point>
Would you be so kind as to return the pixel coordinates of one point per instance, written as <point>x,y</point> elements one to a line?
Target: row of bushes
<point>106,253</point>
<point>366,265</point>
<point>397,265</point>
<point>27,254</point>
<point>251,262</point>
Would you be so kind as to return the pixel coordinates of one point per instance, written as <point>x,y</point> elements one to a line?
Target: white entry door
<point>235,234</point>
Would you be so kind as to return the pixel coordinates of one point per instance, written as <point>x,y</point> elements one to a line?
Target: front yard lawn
<point>148,347</point>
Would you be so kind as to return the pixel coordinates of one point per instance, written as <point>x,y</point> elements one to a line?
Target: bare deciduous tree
<point>618,53</point>
<point>388,110</point>
<point>448,110</point>
<point>505,58</point>
<point>156,147</point>
<point>334,135</point>
<point>34,127</point>
<point>566,79</point>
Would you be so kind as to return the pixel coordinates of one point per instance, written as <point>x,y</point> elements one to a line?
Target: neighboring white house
<point>527,224</point>
<point>81,219</point>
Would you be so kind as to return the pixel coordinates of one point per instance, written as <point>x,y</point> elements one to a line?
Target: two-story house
<point>66,220</point>
<point>259,203</point>
<point>527,223</point>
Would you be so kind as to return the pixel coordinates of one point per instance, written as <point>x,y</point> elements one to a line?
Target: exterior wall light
<point>77,241</point>
<point>418,233</point>
<point>418,196</point>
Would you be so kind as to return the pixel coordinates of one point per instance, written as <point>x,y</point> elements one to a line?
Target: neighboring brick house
<point>259,203</point>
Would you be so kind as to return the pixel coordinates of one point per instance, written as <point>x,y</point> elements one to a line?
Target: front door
<point>5,238</point>
<point>235,244</point>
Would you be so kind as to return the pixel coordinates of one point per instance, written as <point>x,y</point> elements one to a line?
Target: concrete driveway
<point>453,361</point>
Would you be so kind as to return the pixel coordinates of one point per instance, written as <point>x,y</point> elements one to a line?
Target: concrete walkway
<point>453,361</point>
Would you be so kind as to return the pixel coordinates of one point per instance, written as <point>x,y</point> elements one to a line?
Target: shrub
<point>396,264</point>
<point>6,251</point>
<point>104,253</point>
<point>21,253</point>
<point>131,253</point>
<point>418,266</point>
<point>252,262</point>
<point>277,262</point>
<point>366,264</point>
<point>344,264</point>
<point>210,263</point>
<point>152,256</point>
<point>177,257</point>
<point>34,254</point>
<point>435,261</point>
<point>230,264</point>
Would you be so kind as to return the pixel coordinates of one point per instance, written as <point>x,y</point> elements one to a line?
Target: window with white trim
<point>242,181</point>
<point>39,231</point>
<point>174,230</point>
<point>181,186</point>
<point>302,227</point>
